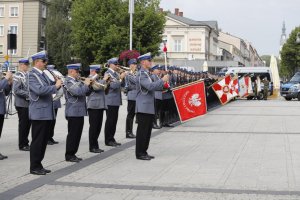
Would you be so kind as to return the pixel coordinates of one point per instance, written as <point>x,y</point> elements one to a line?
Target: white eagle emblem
<point>194,100</point>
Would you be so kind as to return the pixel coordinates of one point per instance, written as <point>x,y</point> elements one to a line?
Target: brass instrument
<point>53,75</point>
<point>122,69</point>
<point>94,83</point>
<point>3,74</point>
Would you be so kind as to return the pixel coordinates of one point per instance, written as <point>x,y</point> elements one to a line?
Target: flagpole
<point>165,51</point>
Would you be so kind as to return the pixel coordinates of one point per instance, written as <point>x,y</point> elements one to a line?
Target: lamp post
<point>131,11</point>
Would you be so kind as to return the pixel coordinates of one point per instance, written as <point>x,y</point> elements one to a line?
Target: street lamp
<point>131,12</point>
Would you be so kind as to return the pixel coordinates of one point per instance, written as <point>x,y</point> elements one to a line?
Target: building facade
<point>26,19</point>
<point>190,43</point>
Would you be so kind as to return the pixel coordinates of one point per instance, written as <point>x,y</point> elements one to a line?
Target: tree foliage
<point>267,59</point>
<point>290,55</point>
<point>100,29</point>
<point>58,33</point>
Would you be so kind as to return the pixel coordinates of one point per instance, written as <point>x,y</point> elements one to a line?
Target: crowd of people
<point>148,90</point>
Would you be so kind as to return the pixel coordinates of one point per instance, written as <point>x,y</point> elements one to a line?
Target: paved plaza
<point>243,150</point>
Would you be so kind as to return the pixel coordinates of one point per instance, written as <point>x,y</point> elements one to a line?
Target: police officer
<point>75,94</point>
<point>96,106</point>
<point>56,105</point>
<point>20,89</point>
<point>156,70</point>
<point>130,82</point>
<point>145,106</point>
<point>5,87</point>
<point>167,104</point>
<point>41,111</point>
<point>113,100</point>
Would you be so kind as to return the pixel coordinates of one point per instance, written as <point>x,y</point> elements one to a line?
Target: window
<point>13,29</point>
<point>1,11</point>
<point>1,49</point>
<point>44,11</point>
<point>43,30</point>
<point>178,45</point>
<point>13,51</point>
<point>14,11</point>
<point>1,30</point>
<point>42,45</point>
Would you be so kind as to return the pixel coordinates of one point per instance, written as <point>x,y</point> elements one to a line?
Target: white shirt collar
<point>40,71</point>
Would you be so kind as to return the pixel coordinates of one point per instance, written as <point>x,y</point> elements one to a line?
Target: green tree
<point>290,55</point>
<point>267,59</point>
<point>58,33</point>
<point>100,29</point>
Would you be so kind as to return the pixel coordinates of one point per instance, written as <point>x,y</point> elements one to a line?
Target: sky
<point>257,21</point>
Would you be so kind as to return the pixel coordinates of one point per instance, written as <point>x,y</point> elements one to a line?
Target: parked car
<point>291,89</point>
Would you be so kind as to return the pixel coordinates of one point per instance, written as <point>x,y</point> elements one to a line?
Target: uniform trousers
<point>143,133</point>
<point>75,126</point>
<point>1,123</point>
<point>95,120</point>
<point>158,111</point>
<point>130,116</point>
<point>111,123</point>
<point>52,126</point>
<point>24,126</point>
<point>165,111</point>
<point>40,135</point>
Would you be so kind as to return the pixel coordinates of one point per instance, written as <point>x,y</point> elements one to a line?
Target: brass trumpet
<point>94,83</point>
<point>3,74</point>
<point>122,69</point>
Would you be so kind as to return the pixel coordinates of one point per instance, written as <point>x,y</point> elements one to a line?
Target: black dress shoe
<point>50,142</point>
<point>46,170</point>
<point>2,157</point>
<point>78,158</point>
<point>73,159</point>
<point>54,142</point>
<point>25,148</point>
<point>117,143</point>
<point>168,125</point>
<point>145,157</point>
<point>130,135</point>
<point>38,172</point>
<point>111,143</point>
<point>151,157</point>
<point>96,150</point>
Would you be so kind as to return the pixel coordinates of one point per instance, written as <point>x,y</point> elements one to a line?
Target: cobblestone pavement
<point>243,150</point>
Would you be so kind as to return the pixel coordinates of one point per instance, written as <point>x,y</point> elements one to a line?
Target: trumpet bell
<point>51,75</point>
<point>98,86</point>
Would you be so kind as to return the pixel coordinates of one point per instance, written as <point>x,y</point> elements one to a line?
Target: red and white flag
<point>250,88</point>
<point>234,87</point>
<point>222,89</point>
<point>190,100</point>
<point>165,48</point>
<point>243,86</point>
